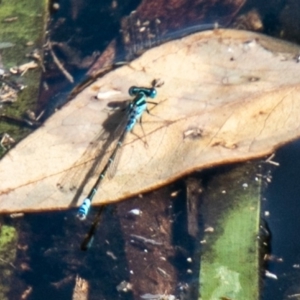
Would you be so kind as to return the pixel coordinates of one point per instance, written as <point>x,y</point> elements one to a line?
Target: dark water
<point>283,203</point>
<point>49,256</point>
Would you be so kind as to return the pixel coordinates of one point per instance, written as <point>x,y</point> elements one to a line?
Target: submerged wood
<point>155,22</point>
<point>227,96</point>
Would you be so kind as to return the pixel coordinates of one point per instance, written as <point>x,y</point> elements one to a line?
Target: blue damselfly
<point>134,112</point>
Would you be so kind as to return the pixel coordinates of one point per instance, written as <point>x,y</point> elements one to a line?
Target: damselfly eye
<point>152,93</point>
<point>133,91</point>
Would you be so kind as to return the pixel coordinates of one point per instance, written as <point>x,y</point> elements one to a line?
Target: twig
<point>59,64</point>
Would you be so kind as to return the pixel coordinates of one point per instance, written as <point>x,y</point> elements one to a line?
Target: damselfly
<point>134,111</point>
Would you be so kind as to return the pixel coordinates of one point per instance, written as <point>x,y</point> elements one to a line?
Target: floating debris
<point>271,275</point>
<point>81,289</point>
<point>10,19</point>
<point>22,69</point>
<point>135,212</point>
<point>124,286</point>
<point>5,45</point>
<point>158,297</point>
<point>141,239</point>
<point>6,141</point>
<point>193,133</point>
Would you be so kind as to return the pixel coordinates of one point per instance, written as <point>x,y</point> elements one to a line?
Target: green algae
<point>26,33</point>
<point>8,250</point>
<point>230,260</point>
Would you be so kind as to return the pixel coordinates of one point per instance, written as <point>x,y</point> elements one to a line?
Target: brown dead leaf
<point>228,96</point>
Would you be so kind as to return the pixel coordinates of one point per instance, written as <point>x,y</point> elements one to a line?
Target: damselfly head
<point>148,92</point>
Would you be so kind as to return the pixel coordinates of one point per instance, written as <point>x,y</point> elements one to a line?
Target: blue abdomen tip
<point>84,209</point>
